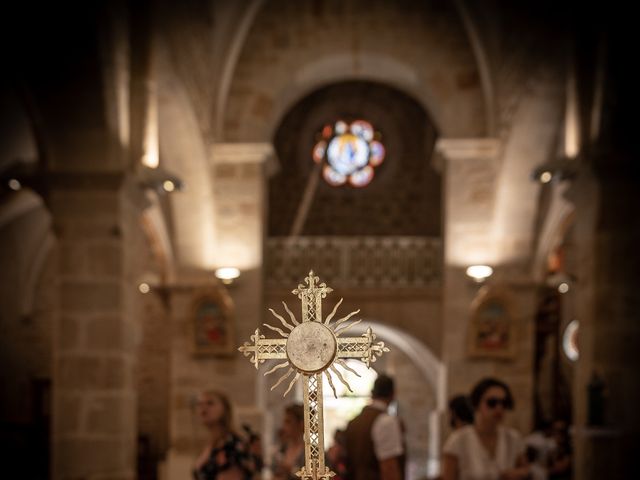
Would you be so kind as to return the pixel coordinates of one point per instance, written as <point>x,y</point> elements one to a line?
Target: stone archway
<point>417,363</point>
<point>431,59</point>
<point>432,371</point>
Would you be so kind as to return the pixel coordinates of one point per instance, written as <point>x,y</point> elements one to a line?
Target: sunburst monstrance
<point>311,348</point>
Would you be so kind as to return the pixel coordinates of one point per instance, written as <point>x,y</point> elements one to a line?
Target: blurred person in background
<point>374,445</point>
<point>226,456</point>
<point>486,450</point>
<point>290,456</point>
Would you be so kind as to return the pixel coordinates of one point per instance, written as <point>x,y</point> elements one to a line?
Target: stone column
<point>240,176</point>
<point>94,400</point>
<point>239,173</point>
<point>605,193</point>
<point>608,310</point>
<point>471,169</point>
<point>83,124</point>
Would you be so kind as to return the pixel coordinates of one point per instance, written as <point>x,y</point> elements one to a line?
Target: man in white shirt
<point>374,444</point>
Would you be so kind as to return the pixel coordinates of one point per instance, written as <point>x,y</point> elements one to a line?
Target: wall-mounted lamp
<point>148,282</point>
<point>559,169</point>
<point>19,174</point>
<point>561,281</point>
<point>545,176</point>
<point>151,283</point>
<point>160,180</point>
<point>227,274</point>
<point>168,186</point>
<point>479,273</point>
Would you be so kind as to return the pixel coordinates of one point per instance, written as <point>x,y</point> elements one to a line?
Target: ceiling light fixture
<point>479,272</point>
<point>558,169</point>
<point>227,274</point>
<point>160,180</point>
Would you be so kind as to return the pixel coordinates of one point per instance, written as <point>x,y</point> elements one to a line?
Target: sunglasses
<point>493,402</point>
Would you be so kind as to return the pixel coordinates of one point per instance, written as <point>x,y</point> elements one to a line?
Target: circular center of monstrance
<point>311,347</point>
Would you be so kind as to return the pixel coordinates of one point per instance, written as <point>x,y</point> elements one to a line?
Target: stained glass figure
<point>349,152</point>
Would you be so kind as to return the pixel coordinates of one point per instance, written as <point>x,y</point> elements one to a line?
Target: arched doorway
<point>421,394</point>
<point>421,398</point>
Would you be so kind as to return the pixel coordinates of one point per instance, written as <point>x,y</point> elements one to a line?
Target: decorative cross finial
<point>312,348</point>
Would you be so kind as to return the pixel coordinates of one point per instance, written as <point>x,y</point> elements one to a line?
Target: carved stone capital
<point>465,149</point>
<point>245,152</point>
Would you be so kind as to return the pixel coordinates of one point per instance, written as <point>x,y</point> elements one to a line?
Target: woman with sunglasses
<point>486,450</point>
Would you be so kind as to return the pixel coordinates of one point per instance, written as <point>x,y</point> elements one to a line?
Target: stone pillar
<point>94,401</point>
<point>605,193</point>
<point>82,109</point>
<point>471,169</point>
<point>608,310</point>
<point>239,173</point>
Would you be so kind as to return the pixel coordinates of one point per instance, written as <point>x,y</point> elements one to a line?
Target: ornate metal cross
<point>311,348</point>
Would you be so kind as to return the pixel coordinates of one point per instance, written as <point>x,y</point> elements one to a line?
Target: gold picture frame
<point>212,331</point>
<point>492,332</point>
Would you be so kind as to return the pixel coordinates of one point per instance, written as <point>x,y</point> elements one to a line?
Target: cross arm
<point>364,347</point>
<point>264,348</point>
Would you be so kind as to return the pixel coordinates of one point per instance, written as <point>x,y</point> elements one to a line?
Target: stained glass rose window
<point>349,153</point>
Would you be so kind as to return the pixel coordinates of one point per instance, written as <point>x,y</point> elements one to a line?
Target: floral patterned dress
<point>233,453</point>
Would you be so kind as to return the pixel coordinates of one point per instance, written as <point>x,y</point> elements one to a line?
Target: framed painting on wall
<point>212,323</point>
<point>491,332</point>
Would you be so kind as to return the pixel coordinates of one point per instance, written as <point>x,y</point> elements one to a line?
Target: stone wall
<point>463,370</point>
<point>153,374</point>
<point>191,374</point>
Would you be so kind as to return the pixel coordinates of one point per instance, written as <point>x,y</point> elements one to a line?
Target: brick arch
<point>294,48</point>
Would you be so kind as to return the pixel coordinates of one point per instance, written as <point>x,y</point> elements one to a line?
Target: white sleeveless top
<point>474,461</point>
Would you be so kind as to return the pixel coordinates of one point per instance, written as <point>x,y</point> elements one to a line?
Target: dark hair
<point>485,384</point>
<point>461,408</point>
<point>296,410</point>
<point>383,387</point>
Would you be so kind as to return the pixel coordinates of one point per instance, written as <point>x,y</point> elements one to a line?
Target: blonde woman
<point>225,456</point>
